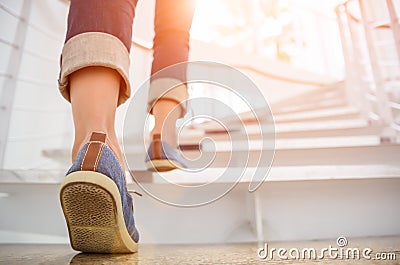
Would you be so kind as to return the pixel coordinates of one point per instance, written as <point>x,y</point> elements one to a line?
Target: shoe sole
<point>162,165</point>
<point>92,207</point>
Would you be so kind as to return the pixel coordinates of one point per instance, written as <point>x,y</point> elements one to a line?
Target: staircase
<point>335,168</point>
<point>335,171</point>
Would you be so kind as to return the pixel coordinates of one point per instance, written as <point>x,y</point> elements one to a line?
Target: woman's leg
<point>173,19</point>
<point>95,65</point>
<point>94,95</point>
<point>94,78</point>
<point>166,113</point>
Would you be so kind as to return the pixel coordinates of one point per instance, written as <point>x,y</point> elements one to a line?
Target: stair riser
<point>293,210</point>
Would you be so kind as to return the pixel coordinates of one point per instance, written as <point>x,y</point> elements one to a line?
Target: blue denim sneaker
<point>97,206</point>
<point>163,157</point>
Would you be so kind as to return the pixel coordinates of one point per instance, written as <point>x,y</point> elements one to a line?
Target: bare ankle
<point>166,112</point>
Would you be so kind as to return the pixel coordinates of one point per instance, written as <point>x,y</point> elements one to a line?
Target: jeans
<point>99,33</point>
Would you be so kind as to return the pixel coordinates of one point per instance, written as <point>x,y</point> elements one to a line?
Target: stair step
<point>320,117</point>
<point>276,173</point>
<point>295,173</point>
<point>327,114</point>
<point>284,210</point>
<point>298,154</point>
<point>308,106</point>
<point>290,144</point>
<point>331,128</point>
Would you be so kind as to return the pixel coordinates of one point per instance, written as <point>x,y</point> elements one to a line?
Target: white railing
<point>31,117</point>
<point>370,34</point>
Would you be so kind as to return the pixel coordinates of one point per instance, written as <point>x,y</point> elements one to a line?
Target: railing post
<point>351,83</point>
<point>395,25</point>
<point>382,100</point>
<point>355,64</point>
<point>10,84</point>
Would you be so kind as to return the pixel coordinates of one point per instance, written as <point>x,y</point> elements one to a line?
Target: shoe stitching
<point>83,160</point>
<point>98,157</point>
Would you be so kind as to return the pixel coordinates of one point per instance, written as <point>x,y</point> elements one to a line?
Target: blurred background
<point>330,71</point>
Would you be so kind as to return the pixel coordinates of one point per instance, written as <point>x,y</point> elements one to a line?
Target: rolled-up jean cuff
<point>168,88</point>
<point>95,49</point>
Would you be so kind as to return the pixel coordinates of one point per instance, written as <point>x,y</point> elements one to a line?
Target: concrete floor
<point>194,254</point>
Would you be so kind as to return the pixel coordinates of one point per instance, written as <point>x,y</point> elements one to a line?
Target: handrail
<point>143,46</point>
<point>376,24</point>
<point>357,20</point>
<point>353,17</point>
<point>33,26</point>
<point>148,48</point>
<point>279,77</point>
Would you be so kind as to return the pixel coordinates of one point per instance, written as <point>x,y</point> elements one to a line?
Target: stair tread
<point>297,173</point>
<point>314,114</point>
<point>288,127</point>
<point>296,143</point>
<point>276,173</point>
